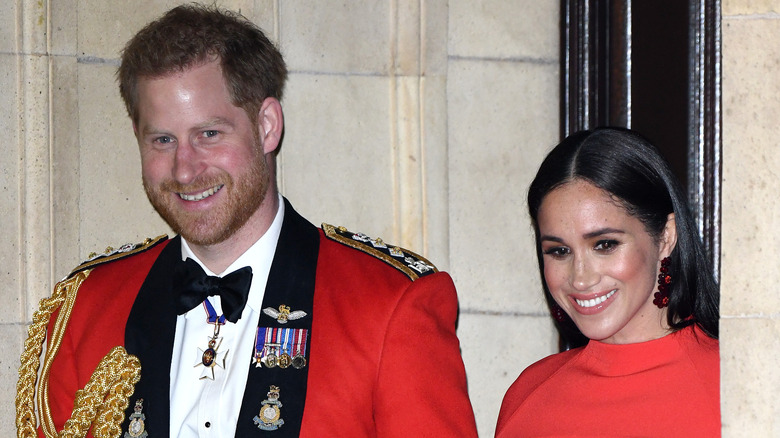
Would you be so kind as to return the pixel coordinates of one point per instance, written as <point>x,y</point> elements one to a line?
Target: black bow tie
<point>196,286</point>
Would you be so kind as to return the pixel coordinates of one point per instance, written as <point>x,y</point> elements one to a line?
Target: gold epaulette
<point>101,404</point>
<point>411,264</point>
<point>111,254</point>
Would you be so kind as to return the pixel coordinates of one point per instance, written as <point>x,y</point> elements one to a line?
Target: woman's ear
<point>669,236</point>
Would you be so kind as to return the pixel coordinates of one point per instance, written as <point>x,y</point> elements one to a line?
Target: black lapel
<point>290,283</point>
<point>149,335</point>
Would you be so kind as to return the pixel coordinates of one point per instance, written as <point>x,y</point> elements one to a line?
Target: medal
<point>136,428</point>
<point>299,349</point>
<point>270,416</point>
<point>282,347</point>
<point>298,362</point>
<point>270,360</point>
<point>211,357</point>
<point>285,361</point>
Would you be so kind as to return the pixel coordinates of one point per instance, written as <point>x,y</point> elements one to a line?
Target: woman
<point>621,264</point>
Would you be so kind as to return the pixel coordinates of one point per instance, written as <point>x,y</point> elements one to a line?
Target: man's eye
<point>210,133</point>
<point>163,139</point>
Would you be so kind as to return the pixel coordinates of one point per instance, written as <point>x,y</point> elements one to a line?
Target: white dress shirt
<point>209,408</point>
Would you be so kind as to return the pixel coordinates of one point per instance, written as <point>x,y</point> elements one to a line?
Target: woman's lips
<point>593,305</point>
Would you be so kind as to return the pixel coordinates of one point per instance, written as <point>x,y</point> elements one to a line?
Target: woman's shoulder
<point>702,352</point>
<point>544,368</point>
<point>533,377</point>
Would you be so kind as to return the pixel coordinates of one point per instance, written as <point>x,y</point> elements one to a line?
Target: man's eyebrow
<point>212,122</point>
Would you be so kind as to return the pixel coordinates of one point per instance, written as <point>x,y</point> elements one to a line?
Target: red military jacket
<point>383,358</point>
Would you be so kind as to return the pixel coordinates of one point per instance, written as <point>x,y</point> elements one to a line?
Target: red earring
<point>664,282</point>
<point>558,313</point>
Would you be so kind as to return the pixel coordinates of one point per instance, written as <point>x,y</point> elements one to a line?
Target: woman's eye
<point>557,252</point>
<point>606,245</point>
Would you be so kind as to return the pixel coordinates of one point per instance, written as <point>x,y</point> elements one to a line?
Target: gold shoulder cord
<point>104,398</point>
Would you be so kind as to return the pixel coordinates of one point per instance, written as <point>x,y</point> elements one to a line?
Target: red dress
<point>666,387</point>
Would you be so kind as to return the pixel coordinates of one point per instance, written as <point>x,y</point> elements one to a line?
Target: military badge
<point>270,416</point>
<point>282,347</point>
<point>283,314</point>
<point>137,429</point>
<point>211,358</point>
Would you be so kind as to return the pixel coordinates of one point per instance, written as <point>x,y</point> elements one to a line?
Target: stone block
<point>499,133</point>
<point>501,29</point>
<point>749,7</point>
<point>749,377</point>
<point>496,349</point>
<point>750,217</point>
<point>337,37</point>
<point>105,26</point>
<point>335,163</point>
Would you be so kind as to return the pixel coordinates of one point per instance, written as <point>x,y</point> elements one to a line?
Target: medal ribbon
<point>279,340</point>
<point>300,342</point>
<point>211,314</point>
<point>286,340</point>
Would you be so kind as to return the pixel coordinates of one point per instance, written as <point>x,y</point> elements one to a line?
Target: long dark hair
<point>627,166</point>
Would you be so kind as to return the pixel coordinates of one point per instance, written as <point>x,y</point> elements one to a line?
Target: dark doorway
<point>659,78</point>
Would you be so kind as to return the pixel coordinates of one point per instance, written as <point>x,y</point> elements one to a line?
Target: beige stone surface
<point>35,177</point>
<point>499,133</point>
<point>264,13</point>
<point>751,210</point>
<point>112,204</point>
<point>326,141</point>
<point>435,170</point>
<point>104,26</point>
<point>504,29</point>
<point>433,36</point>
<point>748,354</point>
<point>337,36</point>
<point>8,31</point>
<point>65,154</point>
<point>63,16</point>
<point>12,338</point>
<point>33,27</point>
<point>749,7</point>
<point>749,303</point>
<point>11,261</point>
<point>496,349</point>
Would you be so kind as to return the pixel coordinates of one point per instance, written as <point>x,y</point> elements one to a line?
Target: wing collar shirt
<point>205,407</point>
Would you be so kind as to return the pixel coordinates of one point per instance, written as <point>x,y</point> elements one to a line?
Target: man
<point>309,332</point>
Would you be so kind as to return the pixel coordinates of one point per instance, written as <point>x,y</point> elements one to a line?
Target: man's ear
<point>669,236</point>
<point>270,121</point>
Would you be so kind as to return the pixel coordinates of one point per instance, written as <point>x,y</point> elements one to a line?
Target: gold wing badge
<point>284,314</point>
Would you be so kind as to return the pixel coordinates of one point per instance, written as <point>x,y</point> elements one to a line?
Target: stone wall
<point>750,302</point>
